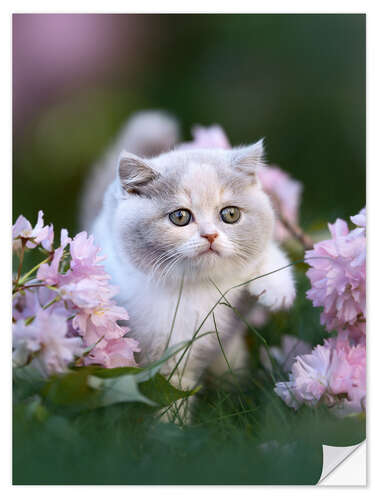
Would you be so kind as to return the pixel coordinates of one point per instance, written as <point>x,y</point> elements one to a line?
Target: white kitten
<point>199,216</point>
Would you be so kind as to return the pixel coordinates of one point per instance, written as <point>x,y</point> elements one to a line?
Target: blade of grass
<point>175,313</point>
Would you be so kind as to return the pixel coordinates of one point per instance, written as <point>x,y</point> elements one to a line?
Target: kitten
<point>194,216</point>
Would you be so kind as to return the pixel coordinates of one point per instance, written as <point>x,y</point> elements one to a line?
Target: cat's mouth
<point>208,251</point>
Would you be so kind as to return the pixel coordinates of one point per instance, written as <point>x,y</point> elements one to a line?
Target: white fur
<point>152,305</point>
<point>148,256</point>
<point>150,294</point>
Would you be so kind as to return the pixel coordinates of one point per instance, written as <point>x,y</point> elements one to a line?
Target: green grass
<point>240,433</point>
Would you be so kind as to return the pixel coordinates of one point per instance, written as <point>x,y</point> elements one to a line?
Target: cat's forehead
<point>201,178</point>
<point>201,185</point>
<point>184,159</point>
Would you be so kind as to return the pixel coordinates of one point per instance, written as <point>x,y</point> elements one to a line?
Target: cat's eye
<point>230,215</point>
<point>180,217</point>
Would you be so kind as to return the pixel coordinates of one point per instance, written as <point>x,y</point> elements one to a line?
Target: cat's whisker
<point>162,260</point>
<point>169,267</point>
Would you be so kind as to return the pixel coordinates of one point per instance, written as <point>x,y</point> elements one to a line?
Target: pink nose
<point>211,237</point>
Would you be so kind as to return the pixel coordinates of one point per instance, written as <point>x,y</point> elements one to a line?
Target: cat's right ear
<point>134,173</point>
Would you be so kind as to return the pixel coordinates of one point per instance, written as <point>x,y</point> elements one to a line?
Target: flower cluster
<point>66,312</point>
<point>284,191</point>
<point>338,278</point>
<point>334,374</point>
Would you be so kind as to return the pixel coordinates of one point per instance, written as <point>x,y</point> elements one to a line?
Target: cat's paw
<point>275,294</point>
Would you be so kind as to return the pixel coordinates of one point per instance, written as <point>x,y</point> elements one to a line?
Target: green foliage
<point>230,441</point>
<point>93,387</point>
<point>67,432</point>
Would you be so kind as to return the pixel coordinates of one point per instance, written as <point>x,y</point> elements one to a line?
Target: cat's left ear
<point>134,173</point>
<point>248,159</point>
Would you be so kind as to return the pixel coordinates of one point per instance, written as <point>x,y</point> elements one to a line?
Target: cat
<point>179,229</point>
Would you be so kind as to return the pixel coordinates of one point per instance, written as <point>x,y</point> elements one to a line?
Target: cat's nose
<point>211,237</point>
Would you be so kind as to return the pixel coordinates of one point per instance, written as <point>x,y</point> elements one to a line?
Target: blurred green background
<point>298,80</point>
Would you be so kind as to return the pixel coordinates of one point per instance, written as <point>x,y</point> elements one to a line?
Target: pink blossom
<point>47,242</point>
<point>212,137</point>
<point>285,193</point>
<point>50,273</point>
<point>114,353</point>
<point>25,304</point>
<point>22,229</point>
<point>338,278</point>
<point>85,259</point>
<point>309,379</point>
<point>85,288</point>
<point>100,322</point>
<point>360,219</point>
<point>26,342</point>
<point>46,339</point>
<point>84,299</point>
<point>86,293</point>
<point>334,374</point>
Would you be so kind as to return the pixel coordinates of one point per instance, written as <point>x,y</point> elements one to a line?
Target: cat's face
<point>197,213</point>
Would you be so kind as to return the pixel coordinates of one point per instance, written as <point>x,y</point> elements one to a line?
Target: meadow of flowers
<point>73,350</point>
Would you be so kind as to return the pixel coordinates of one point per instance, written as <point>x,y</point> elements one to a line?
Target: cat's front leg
<point>277,289</point>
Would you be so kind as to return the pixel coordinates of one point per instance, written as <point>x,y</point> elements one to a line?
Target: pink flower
<point>309,379</point>
<point>85,259</point>
<point>25,305</point>
<point>28,302</point>
<point>46,339</point>
<point>348,375</point>
<point>100,322</point>
<point>22,229</point>
<point>212,137</point>
<point>334,373</point>
<point>26,342</point>
<point>47,242</point>
<point>50,273</point>
<point>84,301</point>
<point>86,293</point>
<point>285,193</point>
<point>114,353</point>
<point>360,219</point>
<point>338,278</point>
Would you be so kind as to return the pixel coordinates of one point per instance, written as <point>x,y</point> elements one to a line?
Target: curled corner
<point>333,456</point>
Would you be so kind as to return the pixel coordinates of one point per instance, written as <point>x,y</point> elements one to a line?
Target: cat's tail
<point>146,134</point>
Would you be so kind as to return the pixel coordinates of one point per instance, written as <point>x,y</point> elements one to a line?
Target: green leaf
<point>118,390</point>
<point>94,387</point>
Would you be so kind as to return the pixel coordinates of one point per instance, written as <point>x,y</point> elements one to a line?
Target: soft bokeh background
<point>298,80</point>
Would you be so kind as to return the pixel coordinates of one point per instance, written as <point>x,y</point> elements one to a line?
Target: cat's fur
<point>148,256</point>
